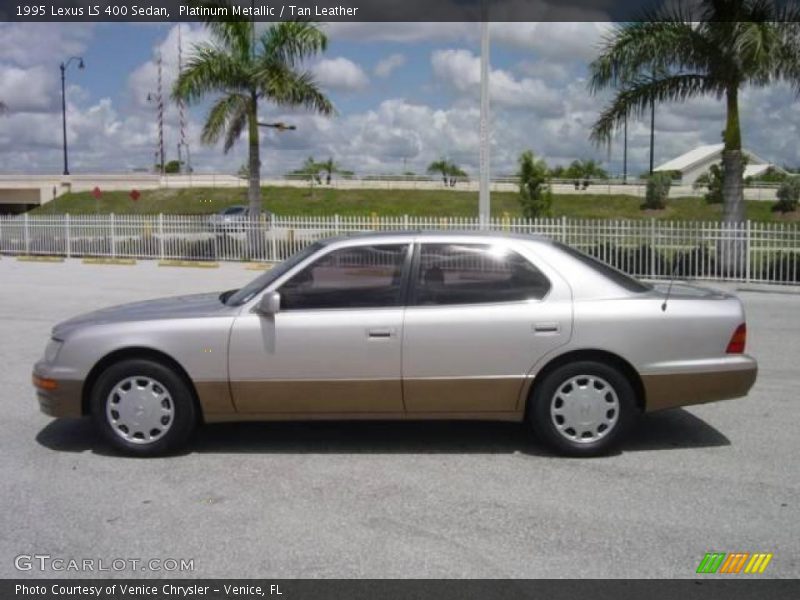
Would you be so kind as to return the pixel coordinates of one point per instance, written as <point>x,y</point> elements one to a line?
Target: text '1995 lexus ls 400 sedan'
<point>404,325</point>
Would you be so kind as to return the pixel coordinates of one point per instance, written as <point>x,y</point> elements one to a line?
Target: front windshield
<point>259,283</point>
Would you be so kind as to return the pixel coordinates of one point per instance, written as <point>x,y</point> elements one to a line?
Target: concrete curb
<point>109,261</point>
<point>35,258</point>
<point>189,263</point>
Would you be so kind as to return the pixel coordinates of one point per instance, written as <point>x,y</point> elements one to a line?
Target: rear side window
<point>355,277</point>
<point>621,279</point>
<point>476,274</point>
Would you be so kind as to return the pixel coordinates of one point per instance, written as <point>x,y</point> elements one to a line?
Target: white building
<point>696,162</point>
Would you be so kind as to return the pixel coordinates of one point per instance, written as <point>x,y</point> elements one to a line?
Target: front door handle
<point>381,333</point>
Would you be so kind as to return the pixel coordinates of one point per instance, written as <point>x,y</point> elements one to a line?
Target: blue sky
<point>406,94</point>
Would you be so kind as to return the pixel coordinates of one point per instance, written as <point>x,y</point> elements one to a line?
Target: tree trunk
<point>254,188</point>
<point>733,163</point>
<point>732,247</point>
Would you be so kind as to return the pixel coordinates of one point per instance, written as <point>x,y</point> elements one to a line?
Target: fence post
<point>563,239</point>
<point>652,247</point>
<point>405,222</point>
<point>336,223</point>
<point>113,236</point>
<point>27,234</point>
<point>67,235</point>
<point>274,242</point>
<point>748,245</point>
<point>161,235</point>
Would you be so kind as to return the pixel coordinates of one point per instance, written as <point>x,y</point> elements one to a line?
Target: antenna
<point>669,288</point>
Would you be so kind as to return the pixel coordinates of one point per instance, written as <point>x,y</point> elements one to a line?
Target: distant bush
<point>638,260</point>
<point>788,196</point>
<point>712,181</point>
<point>692,263</point>
<point>658,185</point>
<point>535,195</point>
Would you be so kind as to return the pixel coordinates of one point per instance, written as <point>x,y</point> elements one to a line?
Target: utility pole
<point>484,200</point>
<point>652,132</point>
<point>182,144</point>
<point>625,152</point>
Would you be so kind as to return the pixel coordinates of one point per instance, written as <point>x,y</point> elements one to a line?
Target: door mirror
<point>269,304</point>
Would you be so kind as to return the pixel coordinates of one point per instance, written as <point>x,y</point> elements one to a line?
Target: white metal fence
<point>750,251</point>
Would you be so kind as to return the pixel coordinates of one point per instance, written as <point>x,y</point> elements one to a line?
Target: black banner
<point>391,589</point>
<point>334,10</point>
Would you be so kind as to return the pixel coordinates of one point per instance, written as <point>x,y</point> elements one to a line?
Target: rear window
<point>234,210</point>
<point>621,279</point>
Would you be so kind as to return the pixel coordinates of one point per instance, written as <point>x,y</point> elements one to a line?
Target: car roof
<point>431,233</point>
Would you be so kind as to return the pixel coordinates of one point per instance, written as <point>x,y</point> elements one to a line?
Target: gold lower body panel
<point>684,389</point>
<point>447,398</point>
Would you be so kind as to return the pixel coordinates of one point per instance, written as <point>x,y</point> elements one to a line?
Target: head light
<point>51,351</point>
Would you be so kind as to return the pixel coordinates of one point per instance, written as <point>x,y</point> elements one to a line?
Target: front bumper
<point>727,378</point>
<point>57,397</point>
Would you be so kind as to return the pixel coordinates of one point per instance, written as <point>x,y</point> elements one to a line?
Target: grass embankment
<point>433,203</point>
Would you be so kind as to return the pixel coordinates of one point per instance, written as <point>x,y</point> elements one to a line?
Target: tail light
<point>738,339</point>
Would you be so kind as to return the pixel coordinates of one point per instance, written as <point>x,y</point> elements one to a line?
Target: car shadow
<point>660,431</point>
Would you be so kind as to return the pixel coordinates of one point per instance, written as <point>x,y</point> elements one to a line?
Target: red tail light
<point>738,339</point>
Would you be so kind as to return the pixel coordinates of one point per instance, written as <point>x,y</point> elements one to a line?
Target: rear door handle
<point>552,327</point>
<point>381,333</point>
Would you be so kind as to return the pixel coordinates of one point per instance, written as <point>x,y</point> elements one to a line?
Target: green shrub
<point>658,185</point>
<point>788,196</point>
<point>712,181</point>
<point>535,195</point>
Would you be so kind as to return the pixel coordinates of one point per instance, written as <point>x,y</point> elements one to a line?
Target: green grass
<point>433,203</point>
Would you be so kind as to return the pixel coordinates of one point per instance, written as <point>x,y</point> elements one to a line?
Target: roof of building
<point>703,154</point>
<point>691,158</point>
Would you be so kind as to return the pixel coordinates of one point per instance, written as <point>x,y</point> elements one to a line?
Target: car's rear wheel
<point>582,408</point>
<point>143,407</point>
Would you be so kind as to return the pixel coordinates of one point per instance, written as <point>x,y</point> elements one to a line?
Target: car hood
<point>177,307</point>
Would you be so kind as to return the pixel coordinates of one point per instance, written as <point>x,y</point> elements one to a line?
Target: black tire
<point>543,397</point>
<point>177,428</point>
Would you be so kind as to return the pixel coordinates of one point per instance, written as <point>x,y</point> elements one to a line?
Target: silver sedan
<point>404,325</point>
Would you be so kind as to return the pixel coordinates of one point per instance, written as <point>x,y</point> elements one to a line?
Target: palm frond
<point>286,87</point>
<point>641,93</point>
<point>210,69</point>
<point>291,42</point>
<point>225,117</point>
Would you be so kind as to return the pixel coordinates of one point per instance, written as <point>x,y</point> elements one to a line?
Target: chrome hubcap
<point>584,409</point>
<point>140,410</point>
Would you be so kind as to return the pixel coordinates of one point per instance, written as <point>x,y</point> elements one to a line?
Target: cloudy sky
<point>406,94</point>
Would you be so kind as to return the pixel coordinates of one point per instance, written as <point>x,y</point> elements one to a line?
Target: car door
<point>334,346</point>
<point>480,315</point>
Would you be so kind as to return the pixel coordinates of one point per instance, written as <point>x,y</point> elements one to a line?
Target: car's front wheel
<point>582,408</point>
<point>143,407</point>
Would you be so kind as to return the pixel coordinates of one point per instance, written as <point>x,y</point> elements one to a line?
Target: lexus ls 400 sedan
<point>404,325</point>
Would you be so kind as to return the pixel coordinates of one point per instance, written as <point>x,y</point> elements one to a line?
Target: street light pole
<point>484,202</point>
<point>63,66</point>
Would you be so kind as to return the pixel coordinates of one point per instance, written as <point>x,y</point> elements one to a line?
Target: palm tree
<point>329,168</point>
<point>674,54</point>
<point>442,166</point>
<point>242,68</point>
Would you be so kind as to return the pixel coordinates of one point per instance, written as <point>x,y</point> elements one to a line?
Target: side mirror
<point>269,304</point>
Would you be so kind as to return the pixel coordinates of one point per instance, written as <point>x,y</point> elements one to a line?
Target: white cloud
<point>385,66</point>
<point>31,89</point>
<point>460,69</point>
<point>340,74</point>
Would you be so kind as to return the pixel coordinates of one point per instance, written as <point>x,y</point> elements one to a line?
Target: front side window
<point>355,277</point>
<point>476,274</point>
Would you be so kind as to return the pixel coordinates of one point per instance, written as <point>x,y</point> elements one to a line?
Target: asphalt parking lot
<point>392,499</point>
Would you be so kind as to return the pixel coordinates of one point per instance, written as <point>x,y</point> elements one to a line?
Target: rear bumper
<point>57,397</point>
<point>704,381</point>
